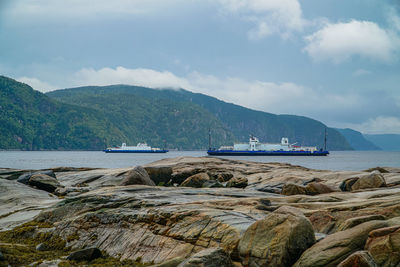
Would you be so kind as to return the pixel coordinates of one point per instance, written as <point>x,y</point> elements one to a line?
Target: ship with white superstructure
<point>140,148</point>
<point>255,148</point>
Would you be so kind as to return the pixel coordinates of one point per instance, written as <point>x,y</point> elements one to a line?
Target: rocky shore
<point>200,212</point>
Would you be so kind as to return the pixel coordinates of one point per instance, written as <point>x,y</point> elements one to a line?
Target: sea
<point>336,160</point>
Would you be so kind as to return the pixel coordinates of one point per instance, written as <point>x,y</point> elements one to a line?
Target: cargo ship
<point>255,148</point>
<point>140,148</point>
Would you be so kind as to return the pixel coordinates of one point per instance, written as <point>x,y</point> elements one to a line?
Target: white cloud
<point>269,16</point>
<point>378,125</point>
<point>37,84</point>
<point>286,97</point>
<point>339,42</point>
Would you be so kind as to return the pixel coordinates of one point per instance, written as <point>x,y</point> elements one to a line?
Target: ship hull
<point>135,151</point>
<point>265,153</point>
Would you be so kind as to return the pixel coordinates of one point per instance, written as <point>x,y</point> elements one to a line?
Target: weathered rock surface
<point>24,178</point>
<point>293,189</point>
<point>238,182</point>
<point>358,259</point>
<point>137,176</point>
<point>196,180</point>
<point>211,257</point>
<point>336,247</point>
<point>44,182</point>
<point>384,246</point>
<point>277,240</point>
<point>161,224</point>
<point>372,180</point>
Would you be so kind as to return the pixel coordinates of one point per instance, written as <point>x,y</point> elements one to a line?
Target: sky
<point>337,61</point>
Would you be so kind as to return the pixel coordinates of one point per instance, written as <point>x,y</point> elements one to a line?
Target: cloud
<point>281,98</point>
<point>37,84</point>
<point>378,125</point>
<point>269,16</point>
<point>339,42</point>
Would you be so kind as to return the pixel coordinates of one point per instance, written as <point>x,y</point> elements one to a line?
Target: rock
<point>316,188</point>
<point>137,176</point>
<point>24,178</point>
<point>313,180</point>
<point>293,189</point>
<point>41,247</point>
<point>170,263</point>
<point>223,177</point>
<point>86,254</point>
<point>277,240</point>
<point>212,184</point>
<point>384,246</point>
<point>270,189</point>
<point>50,263</point>
<point>211,257</point>
<point>2,257</point>
<point>373,180</point>
<point>196,180</point>
<point>358,259</point>
<point>238,182</point>
<point>336,247</point>
<point>159,174</point>
<point>347,184</point>
<point>44,182</point>
<point>358,220</point>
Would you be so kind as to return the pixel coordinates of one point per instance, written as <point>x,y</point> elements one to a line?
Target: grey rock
<point>211,257</point>
<point>137,176</point>
<point>44,182</point>
<point>24,178</point>
<point>159,174</point>
<point>86,254</point>
<point>170,263</point>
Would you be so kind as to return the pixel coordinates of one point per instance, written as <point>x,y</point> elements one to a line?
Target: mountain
<point>357,140</point>
<point>154,114</point>
<point>388,142</point>
<point>33,121</point>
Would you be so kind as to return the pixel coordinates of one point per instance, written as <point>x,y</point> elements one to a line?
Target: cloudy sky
<point>337,61</point>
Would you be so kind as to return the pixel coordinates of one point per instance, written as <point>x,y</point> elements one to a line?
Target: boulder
<point>223,177</point>
<point>24,178</point>
<point>86,254</point>
<point>336,247</point>
<point>384,246</point>
<point>358,220</point>
<point>196,180</point>
<point>159,174</point>
<point>211,257</point>
<point>293,189</point>
<point>137,176</point>
<point>41,247</point>
<point>316,188</point>
<point>277,240</point>
<point>347,184</point>
<point>373,180</point>
<point>44,182</point>
<point>238,182</point>
<point>358,259</point>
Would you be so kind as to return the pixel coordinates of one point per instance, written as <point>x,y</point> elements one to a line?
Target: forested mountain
<point>155,114</point>
<point>357,140</point>
<point>33,121</point>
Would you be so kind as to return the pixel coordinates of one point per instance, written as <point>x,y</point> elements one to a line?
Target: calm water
<point>337,160</point>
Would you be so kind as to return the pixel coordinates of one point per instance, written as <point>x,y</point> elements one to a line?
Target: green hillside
<point>31,120</point>
<point>148,113</point>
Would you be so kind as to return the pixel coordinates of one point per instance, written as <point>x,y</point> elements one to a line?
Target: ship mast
<point>325,140</point>
<point>209,138</point>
